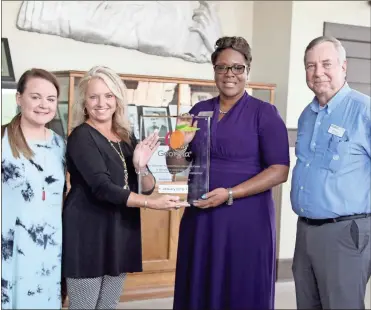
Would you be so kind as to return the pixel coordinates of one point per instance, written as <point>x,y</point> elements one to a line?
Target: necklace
<point>43,195</point>
<point>121,155</point>
<point>222,112</point>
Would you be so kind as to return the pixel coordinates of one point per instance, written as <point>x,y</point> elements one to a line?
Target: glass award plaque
<point>180,164</point>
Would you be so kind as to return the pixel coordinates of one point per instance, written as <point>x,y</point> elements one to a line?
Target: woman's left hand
<point>144,150</point>
<point>212,199</point>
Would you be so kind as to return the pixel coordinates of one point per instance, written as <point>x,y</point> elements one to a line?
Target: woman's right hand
<point>164,202</point>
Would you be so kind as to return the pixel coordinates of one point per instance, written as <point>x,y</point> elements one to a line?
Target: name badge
<point>336,130</point>
<point>206,113</point>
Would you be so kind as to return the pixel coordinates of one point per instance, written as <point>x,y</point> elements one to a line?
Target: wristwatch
<point>230,197</point>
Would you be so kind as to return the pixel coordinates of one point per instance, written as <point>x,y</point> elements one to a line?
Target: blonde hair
<point>120,121</point>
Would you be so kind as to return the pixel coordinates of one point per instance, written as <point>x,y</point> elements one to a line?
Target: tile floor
<point>285,299</point>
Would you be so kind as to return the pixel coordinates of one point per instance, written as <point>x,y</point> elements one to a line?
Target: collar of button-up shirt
<point>334,101</point>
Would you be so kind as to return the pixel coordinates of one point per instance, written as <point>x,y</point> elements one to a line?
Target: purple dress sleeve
<point>273,136</point>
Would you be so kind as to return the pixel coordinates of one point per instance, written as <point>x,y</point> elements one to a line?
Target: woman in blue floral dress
<point>33,177</point>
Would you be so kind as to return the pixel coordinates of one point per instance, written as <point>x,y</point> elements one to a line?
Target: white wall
<point>30,49</point>
<point>271,60</point>
<point>288,217</point>
<point>277,31</point>
<point>308,18</point>
<point>271,47</point>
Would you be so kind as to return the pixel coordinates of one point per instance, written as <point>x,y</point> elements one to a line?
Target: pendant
<point>126,187</point>
<point>43,195</point>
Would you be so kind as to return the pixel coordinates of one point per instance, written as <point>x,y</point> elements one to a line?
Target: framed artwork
<point>200,96</point>
<point>9,107</point>
<point>63,116</point>
<point>7,72</point>
<point>134,120</point>
<point>162,124</point>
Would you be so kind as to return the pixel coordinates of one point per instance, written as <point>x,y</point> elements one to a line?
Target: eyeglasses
<point>223,69</point>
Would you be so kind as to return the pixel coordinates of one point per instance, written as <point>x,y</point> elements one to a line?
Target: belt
<point>334,220</point>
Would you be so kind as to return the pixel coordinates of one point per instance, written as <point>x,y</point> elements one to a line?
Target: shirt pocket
<point>336,154</point>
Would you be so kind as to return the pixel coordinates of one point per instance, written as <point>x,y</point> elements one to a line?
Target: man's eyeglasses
<point>223,69</point>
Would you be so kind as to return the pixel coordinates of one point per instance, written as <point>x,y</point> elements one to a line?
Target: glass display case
<point>167,97</point>
<point>173,95</point>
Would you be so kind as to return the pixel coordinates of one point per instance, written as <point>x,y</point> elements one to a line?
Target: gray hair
<point>338,46</point>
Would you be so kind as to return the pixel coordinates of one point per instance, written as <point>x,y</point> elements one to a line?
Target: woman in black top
<point>101,215</point>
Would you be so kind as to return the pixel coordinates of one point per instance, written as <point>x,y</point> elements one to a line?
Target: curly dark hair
<point>239,44</point>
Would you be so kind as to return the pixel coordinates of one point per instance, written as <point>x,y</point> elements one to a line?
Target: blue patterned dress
<point>31,234</point>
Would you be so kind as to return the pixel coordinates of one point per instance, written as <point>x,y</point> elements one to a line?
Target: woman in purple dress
<point>226,253</point>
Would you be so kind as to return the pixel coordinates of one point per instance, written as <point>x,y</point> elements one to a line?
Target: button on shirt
<point>331,177</point>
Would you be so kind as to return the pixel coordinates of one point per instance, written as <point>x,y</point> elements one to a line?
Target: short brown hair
<point>239,44</point>
<point>17,141</point>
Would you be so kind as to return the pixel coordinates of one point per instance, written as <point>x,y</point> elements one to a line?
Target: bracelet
<point>230,197</point>
<point>145,173</point>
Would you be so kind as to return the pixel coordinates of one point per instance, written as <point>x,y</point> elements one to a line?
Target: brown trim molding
<point>162,79</point>
<point>284,271</point>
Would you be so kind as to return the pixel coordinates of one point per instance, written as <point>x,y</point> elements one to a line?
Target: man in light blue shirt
<point>331,186</point>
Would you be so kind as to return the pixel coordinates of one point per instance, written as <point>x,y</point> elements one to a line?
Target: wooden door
<point>159,246</point>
